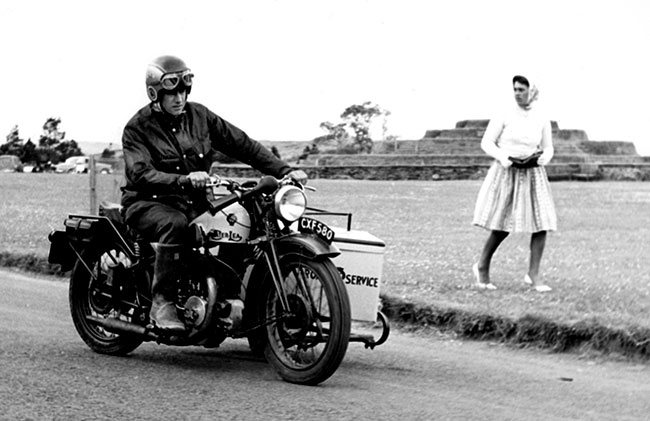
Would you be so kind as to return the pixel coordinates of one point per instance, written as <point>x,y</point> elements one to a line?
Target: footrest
<point>369,340</point>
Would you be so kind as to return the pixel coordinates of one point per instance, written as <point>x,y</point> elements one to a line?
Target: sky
<point>277,69</point>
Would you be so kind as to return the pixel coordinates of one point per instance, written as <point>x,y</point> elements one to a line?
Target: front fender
<point>309,244</point>
<point>306,244</point>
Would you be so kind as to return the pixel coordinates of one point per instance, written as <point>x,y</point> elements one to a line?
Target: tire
<point>86,300</point>
<point>308,347</point>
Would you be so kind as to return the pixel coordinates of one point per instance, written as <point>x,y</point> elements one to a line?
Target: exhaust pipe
<point>121,327</point>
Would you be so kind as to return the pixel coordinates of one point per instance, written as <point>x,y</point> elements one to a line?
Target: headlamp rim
<point>278,202</point>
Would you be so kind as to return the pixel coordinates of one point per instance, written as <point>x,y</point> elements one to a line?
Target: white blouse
<point>519,132</point>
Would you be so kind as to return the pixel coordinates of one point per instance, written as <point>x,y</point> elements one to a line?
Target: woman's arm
<point>489,142</point>
<point>546,144</point>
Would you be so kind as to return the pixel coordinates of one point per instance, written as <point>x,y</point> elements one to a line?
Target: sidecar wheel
<point>307,345</point>
<point>88,297</point>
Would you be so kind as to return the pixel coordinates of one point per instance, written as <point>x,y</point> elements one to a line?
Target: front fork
<point>273,262</point>
<point>271,256</point>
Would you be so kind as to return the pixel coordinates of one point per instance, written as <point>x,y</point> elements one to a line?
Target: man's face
<point>174,103</point>
<point>521,93</point>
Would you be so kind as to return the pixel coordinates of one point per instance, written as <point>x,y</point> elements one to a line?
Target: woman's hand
<point>505,161</point>
<point>544,158</point>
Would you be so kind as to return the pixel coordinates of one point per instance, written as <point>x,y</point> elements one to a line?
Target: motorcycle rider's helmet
<point>167,73</point>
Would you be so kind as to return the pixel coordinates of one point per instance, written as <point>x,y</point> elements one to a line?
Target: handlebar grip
<point>267,184</point>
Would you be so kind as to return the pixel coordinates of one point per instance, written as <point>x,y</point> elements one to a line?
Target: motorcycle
<point>257,268</point>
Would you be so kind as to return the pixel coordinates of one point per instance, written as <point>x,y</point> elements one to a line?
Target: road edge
<point>583,336</point>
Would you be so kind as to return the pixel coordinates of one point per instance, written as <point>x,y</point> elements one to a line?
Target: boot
<point>166,268</point>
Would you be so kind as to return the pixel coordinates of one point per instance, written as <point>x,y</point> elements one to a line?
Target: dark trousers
<point>160,222</point>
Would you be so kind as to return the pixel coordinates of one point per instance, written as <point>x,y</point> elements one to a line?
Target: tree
<point>357,118</point>
<point>29,152</point>
<point>336,132</point>
<point>51,135</point>
<point>14,144</point>
<point>52,147</point>
<point>66,149</point>
<point>108,152</point>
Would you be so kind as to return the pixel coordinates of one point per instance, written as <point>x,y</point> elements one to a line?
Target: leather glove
<point>197,179</point>
<point>299,175</point>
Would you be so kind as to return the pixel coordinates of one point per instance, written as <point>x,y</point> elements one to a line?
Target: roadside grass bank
<point>587,337</point>
<point>596,262</point>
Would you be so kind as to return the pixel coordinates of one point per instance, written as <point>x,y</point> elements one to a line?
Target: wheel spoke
<point>301,343</point>
<point>302,281</point>
<point>91,294</point>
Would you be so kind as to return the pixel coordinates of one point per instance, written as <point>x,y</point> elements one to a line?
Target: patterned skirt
<point>515,200</point>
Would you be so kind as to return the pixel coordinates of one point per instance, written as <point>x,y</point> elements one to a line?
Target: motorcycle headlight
<point>290,203</point>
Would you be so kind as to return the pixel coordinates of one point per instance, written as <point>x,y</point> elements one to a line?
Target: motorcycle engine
<point>229,312</point>
<point>195,311</point>
<point>235,313</point>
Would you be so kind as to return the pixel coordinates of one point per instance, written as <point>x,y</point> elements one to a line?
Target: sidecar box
<point>360,263</point>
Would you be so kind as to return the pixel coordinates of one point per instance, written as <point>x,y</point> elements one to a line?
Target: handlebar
<point>267,184</point>
<point>238,192</point>
<point>216,181</point>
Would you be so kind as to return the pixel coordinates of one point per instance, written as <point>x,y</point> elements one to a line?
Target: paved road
<point>46,372</point>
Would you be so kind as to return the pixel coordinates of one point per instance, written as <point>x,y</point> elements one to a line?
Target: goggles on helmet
<point>171,80</point>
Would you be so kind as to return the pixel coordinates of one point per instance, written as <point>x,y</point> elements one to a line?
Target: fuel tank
<point>231,224</point>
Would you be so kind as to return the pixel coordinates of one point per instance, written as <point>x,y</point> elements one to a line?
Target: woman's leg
<point>537,244</point>
<point>493,242</point>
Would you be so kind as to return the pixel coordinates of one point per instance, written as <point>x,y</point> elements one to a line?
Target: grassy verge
<point>596,262</point>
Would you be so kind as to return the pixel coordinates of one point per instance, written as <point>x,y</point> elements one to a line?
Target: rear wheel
<point>90,294</point>
<point>306,344</point>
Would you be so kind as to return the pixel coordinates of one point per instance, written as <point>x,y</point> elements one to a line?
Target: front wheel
<point>305,343</point>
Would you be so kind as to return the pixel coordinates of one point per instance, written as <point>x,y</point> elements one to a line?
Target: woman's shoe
<point>479,284</point>
<point>482,285</point>
<point>538,288</point>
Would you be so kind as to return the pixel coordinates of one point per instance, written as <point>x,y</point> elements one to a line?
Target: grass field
<point>597,262</point>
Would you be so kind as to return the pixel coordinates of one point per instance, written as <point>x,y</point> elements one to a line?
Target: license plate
<point>321,230</point>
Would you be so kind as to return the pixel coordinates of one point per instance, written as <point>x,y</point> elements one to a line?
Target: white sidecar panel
<point>361,262</point>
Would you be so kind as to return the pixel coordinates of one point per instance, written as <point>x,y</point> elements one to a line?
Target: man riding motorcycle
<point>169,146</point>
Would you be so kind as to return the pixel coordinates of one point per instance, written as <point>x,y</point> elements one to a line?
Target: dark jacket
<point>158,149</point>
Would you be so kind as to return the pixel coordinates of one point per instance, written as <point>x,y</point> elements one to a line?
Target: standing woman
<point>516,198</point>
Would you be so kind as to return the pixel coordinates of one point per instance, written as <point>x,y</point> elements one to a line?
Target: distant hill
<point>289,150</point>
